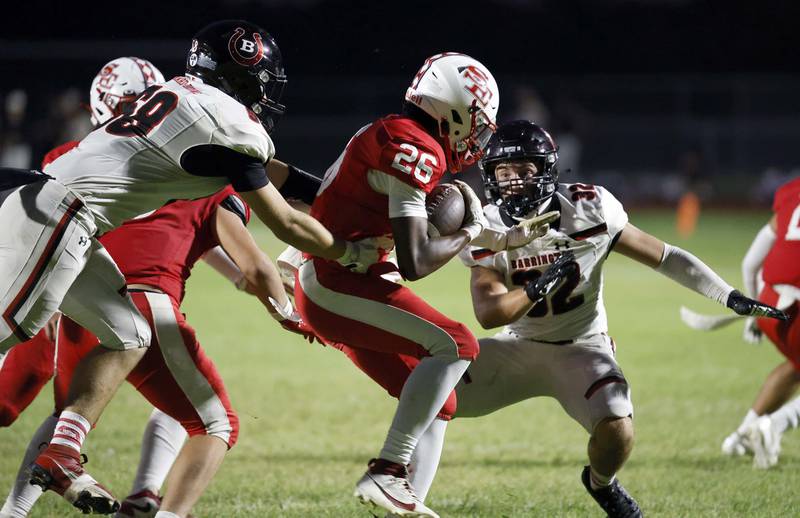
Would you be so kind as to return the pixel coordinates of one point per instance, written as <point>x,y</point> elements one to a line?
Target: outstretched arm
<point>687,270</point>
<point>292,226</point>
<point>257,270</point>
<point>255,267</point>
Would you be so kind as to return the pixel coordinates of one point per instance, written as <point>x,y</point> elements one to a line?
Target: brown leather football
<point>446,210</point>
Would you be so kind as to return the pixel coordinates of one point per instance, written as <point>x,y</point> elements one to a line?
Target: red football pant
<point>785,335</point>
<point>385,326</point>
<point>23,372</point>
<point>175,374</point>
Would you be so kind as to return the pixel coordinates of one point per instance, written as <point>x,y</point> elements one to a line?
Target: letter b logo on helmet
<point>243,51</point>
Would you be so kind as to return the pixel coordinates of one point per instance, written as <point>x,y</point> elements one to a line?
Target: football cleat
<point>766,442</point>
<point>60,469</point>
<point>614,500</point>
<point>385,487</point>
<point>143,504</point>
<point>736,445</point>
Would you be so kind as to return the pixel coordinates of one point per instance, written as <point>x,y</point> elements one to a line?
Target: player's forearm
<point>428,254</point>
<point>264,281</point>
<point>495,310</point>
<point>309,235</point>
<point>689,271</point>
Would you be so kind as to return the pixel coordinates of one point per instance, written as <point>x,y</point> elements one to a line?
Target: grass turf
<point>310,420</point>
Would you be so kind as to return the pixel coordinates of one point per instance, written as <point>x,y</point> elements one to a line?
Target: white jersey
<point>132,164</point>
<point>591,218</point>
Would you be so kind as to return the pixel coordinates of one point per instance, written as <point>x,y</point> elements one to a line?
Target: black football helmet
<point>520,141</point>
<point>242,60</point>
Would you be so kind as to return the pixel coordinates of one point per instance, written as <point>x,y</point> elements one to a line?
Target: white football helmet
<point>119,82</point>
<point>462,96</point>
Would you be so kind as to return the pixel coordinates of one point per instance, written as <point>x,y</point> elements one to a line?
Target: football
<point>446,210</point>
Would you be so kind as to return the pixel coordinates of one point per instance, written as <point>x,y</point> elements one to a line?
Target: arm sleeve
<point>405,200</point>
<point>300,185</point>
<point>245,172</point>
<point>221,262</point>
<point>754,258</point>
<point>689,271</point>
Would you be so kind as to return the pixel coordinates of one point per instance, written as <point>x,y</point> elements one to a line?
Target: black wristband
<point>532,292</point>
<point>300,185</point>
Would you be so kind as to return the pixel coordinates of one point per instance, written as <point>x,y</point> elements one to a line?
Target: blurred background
<point>651,98</point>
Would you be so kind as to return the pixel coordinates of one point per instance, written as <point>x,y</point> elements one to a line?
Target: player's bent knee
<point>467,346</point>
<point>616,432</point>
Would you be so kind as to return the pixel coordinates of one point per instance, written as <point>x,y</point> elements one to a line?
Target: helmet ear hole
<point>456,118</point>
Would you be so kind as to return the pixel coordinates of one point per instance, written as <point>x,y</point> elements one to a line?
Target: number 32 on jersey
<point>410,159</point>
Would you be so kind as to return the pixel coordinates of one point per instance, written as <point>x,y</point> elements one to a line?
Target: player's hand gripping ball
<point>446,210</point>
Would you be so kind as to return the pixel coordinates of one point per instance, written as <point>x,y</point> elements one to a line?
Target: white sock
<point>749,418</point>
<point>423,395</point>
<point>166,514</point>
<point>24,494</point>
<point>161,442</point>
<point>598,480</point>
<point>787,416</point>
<point>425,461</point>
<point>71,430</point>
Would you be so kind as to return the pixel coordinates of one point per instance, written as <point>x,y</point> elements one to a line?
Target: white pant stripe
<point>376,314</point>
<point>191,381</point>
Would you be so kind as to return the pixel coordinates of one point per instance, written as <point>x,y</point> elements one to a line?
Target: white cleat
<point>736,445</point>
<point>766,442</point>
<point>384,487</point>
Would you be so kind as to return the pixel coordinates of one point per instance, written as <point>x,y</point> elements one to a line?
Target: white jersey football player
<point>559,346</point>
<point>185,139</point>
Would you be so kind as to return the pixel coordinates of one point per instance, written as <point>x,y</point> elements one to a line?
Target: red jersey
<point>782,264</point>
<point>396,145</point>
<point>161,248</point>
<point>57,152</point>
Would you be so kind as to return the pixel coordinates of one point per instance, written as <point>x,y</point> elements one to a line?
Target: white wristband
<point>282,313</point>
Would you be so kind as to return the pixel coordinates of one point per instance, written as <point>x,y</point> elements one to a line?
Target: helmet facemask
<point>524,185</point>
<point>468,150</point>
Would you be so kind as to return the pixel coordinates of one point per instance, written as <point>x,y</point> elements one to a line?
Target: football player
<point>559,346</point>
<point>377,189</point>
<point>775,251</point>
<point>185,139</point>
<point>156,254</point>
<point>28,367</point>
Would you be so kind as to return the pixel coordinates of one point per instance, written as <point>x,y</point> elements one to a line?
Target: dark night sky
<point>364,37</point>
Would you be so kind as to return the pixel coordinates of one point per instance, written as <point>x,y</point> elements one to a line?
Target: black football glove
<point>550,278</point>
<point>746,306</point>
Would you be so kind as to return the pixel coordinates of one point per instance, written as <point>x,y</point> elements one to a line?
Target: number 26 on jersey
<point>410,159</point>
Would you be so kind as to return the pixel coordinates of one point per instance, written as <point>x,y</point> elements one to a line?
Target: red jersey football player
<point>776,252</point>
<point>376,189</point>
<point>28,367</point>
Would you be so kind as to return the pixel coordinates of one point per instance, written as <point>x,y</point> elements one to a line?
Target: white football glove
<point>474,220</point>
<point>517,236</point>
<point>362,254</point>
<point>752,333</point>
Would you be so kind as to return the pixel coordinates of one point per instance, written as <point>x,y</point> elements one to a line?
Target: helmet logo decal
<point>245,52</point>
<point>107,76</point>
<point>477,83</point>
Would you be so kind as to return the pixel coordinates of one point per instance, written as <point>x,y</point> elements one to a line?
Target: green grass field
<point>310,420</point>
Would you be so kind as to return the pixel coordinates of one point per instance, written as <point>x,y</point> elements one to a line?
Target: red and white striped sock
<point>71,430</point>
